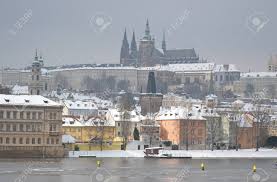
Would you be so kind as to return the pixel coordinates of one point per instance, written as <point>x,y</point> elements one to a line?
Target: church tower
<point>146,48</point>
<point>134,50</point>
<point>124,53</point>
<point>36,84</point>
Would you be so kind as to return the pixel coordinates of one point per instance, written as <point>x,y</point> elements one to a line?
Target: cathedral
<point>147,54</point>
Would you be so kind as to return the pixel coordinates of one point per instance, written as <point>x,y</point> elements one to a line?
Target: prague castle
<point>149,55</point>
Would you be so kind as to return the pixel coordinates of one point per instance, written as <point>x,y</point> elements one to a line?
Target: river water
<point>136,170</point>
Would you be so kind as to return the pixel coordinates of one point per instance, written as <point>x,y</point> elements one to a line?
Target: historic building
<point>93,130</point>
<point>149,55</point>
<point>182,127</point>
<point>151,101</point>
<point>30,126</point>
<point>272,64</point>
<point>40,82</point>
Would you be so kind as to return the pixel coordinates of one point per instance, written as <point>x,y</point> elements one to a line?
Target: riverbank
<point>244,153</point>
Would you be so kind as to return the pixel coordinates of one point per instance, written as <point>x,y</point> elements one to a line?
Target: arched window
<point>33,141</point>
<point>7,140</point>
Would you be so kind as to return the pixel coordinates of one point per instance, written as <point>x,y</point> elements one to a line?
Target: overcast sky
<point>65,31</point>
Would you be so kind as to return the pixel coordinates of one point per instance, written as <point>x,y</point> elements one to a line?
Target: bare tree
<point>214,130</point>
<point>126,105</point>
<point>102,128</point>
<point>261,120</point>
<point>4,90</point>
<point>272,91</point>
<point>61,80</point>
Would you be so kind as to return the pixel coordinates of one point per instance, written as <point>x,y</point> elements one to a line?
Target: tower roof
<point>147,31</point>
<point>151,84</point>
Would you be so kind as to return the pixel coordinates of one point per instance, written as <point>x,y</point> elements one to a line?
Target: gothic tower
<point>134,50</point>
<point>146,48</point>
<point>151,101</point>
<point>124,53</point>
<point>151,84</point>
<point>36,84</point>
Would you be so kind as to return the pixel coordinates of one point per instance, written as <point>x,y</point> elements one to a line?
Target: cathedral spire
<point>147,31</point>
<point>124,53</point>
<point>134,50</point>
<point>164,43</point>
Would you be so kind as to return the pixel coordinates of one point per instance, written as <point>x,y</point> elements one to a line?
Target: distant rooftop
<point>33,100</point>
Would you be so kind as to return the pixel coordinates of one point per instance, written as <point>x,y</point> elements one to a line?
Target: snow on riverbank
<point>246,153</point>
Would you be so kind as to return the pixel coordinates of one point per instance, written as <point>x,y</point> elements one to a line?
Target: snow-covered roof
<point>116,115</point>
<point>211,96</point>
<point>81,122</point>
<point>20,90</point>
<point>80,105</point>
<point>68,139</point>
<point>259,74</point>
<point>226,68</point>
<point>179,113</point>
<point>189,67</point>
<point>194,67</point>
<point>32,100</point>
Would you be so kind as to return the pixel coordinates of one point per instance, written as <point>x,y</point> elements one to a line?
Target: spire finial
<point>163,42</point>
<point>36,55</point>
<point>147,31</point>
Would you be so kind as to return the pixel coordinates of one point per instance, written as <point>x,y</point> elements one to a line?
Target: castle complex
<point>149,55</point>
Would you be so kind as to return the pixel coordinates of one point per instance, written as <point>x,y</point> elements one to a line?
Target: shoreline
<point>193,154</point>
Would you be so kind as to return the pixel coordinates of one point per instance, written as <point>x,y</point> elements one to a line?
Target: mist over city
<point>132,90</point>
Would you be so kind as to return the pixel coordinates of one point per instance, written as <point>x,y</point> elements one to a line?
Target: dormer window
<point>45,101</point>
<point>7,100</point>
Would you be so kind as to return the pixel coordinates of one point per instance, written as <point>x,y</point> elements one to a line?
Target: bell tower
<point>36,83</point>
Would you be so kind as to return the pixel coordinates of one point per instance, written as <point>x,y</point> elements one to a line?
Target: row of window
<point>29,127</point>
<point>20,115</point>
<point>227,78</point>
<point>20,127</point>
<point>33,141</point>
<point>26,115</point>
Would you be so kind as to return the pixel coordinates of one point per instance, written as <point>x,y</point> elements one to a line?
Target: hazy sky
<point>66,33</point>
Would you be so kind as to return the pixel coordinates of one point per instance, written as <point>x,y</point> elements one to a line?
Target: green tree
<point>136,134</point>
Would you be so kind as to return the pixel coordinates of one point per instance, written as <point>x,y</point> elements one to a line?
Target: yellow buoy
<point>98,163</point>
<point>254,168</point>
<point>202,166</point>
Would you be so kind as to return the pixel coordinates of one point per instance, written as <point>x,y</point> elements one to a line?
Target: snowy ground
<point>246,153</point>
